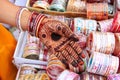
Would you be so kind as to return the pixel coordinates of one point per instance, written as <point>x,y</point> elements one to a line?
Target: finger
<point>61,58</point>
<point>68,57</point>
<point>76,47</point>
<point>70,52</point>
<point>75,55</point>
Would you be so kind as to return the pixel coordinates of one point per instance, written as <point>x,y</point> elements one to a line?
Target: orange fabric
<point>7,46</point>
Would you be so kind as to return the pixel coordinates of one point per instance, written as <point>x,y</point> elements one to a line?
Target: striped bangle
<point>18,17</point>
<point>34,23</point>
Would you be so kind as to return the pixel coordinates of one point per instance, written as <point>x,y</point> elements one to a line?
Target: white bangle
<point>19,18</point>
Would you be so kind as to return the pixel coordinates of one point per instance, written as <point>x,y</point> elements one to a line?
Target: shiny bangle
<point>52,64</point>
<point>97,64</point>
<point>105,25</point>
<point>18,17</point>
<point>117,45</point>
<point>98,11</point>
<point>116,23</point>
<point>114,77</point>
<point>31,26</point>
<point>100,42</point>
<point>41,5</point>
<point>76,6</point>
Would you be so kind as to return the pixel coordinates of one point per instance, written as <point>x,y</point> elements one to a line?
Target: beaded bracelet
<point>18,17</point>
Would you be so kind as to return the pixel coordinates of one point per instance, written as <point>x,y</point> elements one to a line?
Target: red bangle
<point>31,23</point>
<point>34,23</point>
<point>116,24</point>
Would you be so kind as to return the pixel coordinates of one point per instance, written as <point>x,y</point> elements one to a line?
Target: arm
<point>8,13</point>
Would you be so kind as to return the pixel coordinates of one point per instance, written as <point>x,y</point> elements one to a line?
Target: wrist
<point>24,19</point>
<point>34,23</point>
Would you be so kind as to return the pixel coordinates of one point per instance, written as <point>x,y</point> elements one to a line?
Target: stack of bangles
<point>118,5</point>
<point>38,76</point>
<point>76,6</point>
<point>117,45</point>
<point>58,5</point>
<point>34,21</point>
<point>41,4</point>
<point>68,75</point>
<point>54,67</point>
<point>98,11</point>
<point>81,25</point>
<point>90,76</point>
<point>105,25</point>
<point>44,54</point>
<point>31,49</point>
<point>114,77</point>
<point>116,23</point>
<point>101,42</point>
<point>93,1</point>
<point>30,71</point>
<point>103,64</point>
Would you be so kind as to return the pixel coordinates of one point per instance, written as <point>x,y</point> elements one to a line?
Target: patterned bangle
<point>18,17</point>
<point>116,23</point>
<point>34,23</point>
<point>31,21</point>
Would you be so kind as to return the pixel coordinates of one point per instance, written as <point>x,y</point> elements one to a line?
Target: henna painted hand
<point>62,42</point>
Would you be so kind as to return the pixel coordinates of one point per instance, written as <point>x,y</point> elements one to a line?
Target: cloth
<point>7,46</point>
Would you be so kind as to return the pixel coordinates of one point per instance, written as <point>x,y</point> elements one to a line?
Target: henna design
<point>62,42</point>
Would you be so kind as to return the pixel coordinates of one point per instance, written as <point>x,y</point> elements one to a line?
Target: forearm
<point>8,13</point>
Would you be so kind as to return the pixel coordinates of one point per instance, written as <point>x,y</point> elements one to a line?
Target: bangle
<point>102,64</point>
<point>98,11</point>
<point>31,22</point>
<point>18,17</point>
<point>34,23</point>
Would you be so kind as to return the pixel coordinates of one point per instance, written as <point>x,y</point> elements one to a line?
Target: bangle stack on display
<point>32,48</point>
<point>75,48</point>
<point>76,6</point>
<point>116,23</point>
<point>101,42</point>
<point>68,75</point>
<point>91,76</point>
<point>93,9</point>
<point>84,26</point>
<point>103,64</point>
<point>117,43</point>
<point>98,11</point>
<point>105,25</point>
<point>114,77</point>
<point>33,72</point>
<point>54,67</point>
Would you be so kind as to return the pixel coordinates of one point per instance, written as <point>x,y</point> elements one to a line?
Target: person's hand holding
<point>60,40</point>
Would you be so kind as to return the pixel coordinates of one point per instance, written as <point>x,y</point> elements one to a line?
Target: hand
<point>62,42</point>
